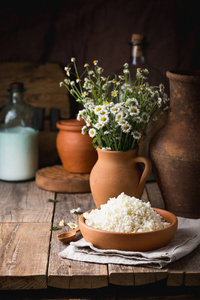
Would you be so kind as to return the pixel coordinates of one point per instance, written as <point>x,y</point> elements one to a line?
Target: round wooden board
<point>57,179</point>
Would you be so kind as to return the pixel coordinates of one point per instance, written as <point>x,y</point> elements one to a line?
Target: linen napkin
<point>186,239</point>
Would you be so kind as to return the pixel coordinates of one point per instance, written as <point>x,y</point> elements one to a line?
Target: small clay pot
<point>75,150</point>
<point>116,172</point>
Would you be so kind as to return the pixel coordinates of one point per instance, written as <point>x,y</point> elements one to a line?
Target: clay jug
<point>75,150</point>
<point>116,172</point>
<point>175,149</point>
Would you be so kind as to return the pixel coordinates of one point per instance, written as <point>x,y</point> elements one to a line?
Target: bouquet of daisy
<point>116,110</point>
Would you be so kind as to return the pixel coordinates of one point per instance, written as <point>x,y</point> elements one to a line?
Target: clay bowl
<point>143,241</point>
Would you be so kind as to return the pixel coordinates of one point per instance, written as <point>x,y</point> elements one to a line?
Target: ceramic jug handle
<point>147,170</point>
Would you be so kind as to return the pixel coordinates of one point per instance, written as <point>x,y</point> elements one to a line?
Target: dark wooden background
<point>54,31</point>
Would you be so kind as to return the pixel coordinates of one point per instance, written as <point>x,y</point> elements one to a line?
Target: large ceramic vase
<point>175,149</point>
<point>116,172</point>
<point>75,150</point>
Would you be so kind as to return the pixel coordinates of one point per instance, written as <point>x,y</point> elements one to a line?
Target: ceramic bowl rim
<point>173,223</point>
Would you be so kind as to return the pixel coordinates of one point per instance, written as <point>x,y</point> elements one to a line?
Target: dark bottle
<point>138,59</point>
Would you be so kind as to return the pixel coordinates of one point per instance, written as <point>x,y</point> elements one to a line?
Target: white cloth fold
<point>186,239</point>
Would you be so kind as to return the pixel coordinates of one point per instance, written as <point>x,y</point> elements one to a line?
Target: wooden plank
<point>24,255</point>
<point>154,195</point>
<point>24,202</point>
<point>185,271</point>
<point>69,274</point>
<point>42,84</point>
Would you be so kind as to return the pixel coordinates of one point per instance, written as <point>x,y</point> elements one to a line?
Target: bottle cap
<point>137,38</point>
<point>17,86</point>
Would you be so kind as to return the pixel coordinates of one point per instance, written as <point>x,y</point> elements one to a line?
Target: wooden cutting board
<point>57,179</point>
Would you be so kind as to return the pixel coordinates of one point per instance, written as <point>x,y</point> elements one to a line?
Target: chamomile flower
<point>103,119</point>
<point>92,132</point>
<point>136,134</point>
<point>62,223</point>
<point>98,109</point>
<point>75,210</point>
<point>86,65</point>
<point>119,116</point>
<point>145,117</point>
<point>126,71</point>
<point>73,59</point>
<point>126,128</point>
<point>84,130</point>
<point>72,225</point>
<point>114,93</point>
<point>95,62</point>
<point>88,120</point>
<point>67,70</point>
<point>134,110</point>
<point>99,125</point>
<point>114,109</point>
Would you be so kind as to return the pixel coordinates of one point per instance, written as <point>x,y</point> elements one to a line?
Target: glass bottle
<point>18,137</point>
<point>138,59</point>
<point>155,78</point>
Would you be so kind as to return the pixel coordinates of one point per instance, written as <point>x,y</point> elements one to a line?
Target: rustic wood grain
<point>69,274</point>
<point>24,255</point>
<point>57,179</point>
<point>24,202</point>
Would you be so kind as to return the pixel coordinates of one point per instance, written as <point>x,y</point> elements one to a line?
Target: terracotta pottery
<point>139,241</point>
<point>75,150</point>
<point>116,172</point>
<point>175,149</point>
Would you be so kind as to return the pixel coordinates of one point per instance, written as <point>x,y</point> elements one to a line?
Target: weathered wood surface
<point>29,252</point>
<point>24,202</point>
<point>25,223</point>
<point>24,255</point>
<point>64,273</point>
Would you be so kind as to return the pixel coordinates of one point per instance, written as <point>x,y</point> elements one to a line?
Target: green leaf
<point>55,228</point>
<point>53,200</point>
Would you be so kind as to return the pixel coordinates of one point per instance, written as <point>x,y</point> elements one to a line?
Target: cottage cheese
<point>125,214</point>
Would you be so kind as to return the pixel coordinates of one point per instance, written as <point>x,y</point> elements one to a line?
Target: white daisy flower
<point>88,121</point>
<point>134,110</point>
<point>92,132</point>
<point>114,109</point>
<point>119,116</point>
<point>73,59</point>
<point>136,134</point>
<point>103,119</point>
<point>126,128</point>
<point>72,225</point>
<point>98,125</point>
<point>137,119</point>
<point>145,117</point>
<point>84,130</point>
<point>126,71</point>
<point>95,62</point>
<point>114,93</point>
<point>62,223</point>
<point>98,109</point>
<point>75,210</point>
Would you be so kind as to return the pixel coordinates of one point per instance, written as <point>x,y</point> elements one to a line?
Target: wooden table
<point>30,265</point>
